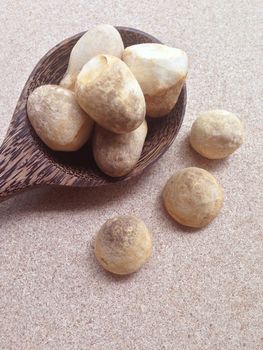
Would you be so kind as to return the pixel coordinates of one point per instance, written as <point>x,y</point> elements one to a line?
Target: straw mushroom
<point>193,197</point>
<point>108,91</point>
<point>98,40</point>
<point>216,134</point>
<point>123,245</point>
<point>57,118</point>
<point>161,71</point>
<point>117,154</point>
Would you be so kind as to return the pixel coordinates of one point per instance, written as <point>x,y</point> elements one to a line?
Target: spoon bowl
<point>26,162</point>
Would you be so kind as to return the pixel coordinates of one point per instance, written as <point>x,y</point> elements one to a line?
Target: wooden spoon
<point>26,162</point>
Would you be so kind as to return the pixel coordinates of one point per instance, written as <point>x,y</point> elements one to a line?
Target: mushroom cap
<point>123,245</point>
<point>157,67</point>
<point>117,154</point>
<point>108,91</point>
<point>193,197</point>
<point>102,39</point>
<point>58,119</point>
<point>216,134</point>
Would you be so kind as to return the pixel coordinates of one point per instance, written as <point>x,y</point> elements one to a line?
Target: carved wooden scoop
<point>26,162</point>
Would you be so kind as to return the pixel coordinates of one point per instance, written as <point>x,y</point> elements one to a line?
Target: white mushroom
<point>161,71</point>
<point>117,154</point>
<point>216,134</point>
<point>103,39</point>
<point>57,118</point>
<point>123,245</point>
<point>193,197</point>
<point>108,91</point>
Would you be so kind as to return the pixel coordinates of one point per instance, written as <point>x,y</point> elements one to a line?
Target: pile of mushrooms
<point>106,92</point>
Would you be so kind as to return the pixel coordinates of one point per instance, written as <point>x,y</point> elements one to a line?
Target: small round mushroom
<point>108,91</point>
<point>123,245</point>
<point>161,72</point>
<point>58,119</point>
<point>98,40</point>
<point>117,154</point>
<point>216,134</point>
<point>193,197</point>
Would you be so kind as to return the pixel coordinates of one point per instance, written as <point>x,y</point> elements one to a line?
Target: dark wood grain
<point>25,161</point>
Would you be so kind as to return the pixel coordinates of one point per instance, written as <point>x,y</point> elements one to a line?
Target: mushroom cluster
<point>106,92</point>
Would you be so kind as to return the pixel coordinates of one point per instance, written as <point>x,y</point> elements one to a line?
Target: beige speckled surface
<point>201,289</point>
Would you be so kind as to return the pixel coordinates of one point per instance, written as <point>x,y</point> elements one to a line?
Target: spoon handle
<point>16,166</point>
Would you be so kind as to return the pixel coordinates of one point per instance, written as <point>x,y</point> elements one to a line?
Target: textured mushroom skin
<point>162,103</point>
<point>102,39</point>
<point>193,197</point>
<point>161,71</point>
<point>123,244</point>
<point>58,119</point>
<point>216,134</point>
<point>108,91</point>
<point>117,154</point>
